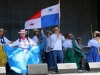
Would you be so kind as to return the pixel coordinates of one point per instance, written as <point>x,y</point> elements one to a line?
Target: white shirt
<point>35,39</point>
<point>23,43</point>
<point>67,43</point>
<point>56,42</point>
<point>47,40</point>
<point>94,43</point>
<point>5,40</point>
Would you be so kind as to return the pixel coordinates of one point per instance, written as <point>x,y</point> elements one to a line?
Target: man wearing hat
<point>35,36</point>
<point>56,46</point>
<point>94,53</point>
<point>3,41</point>
<point>48,56</point>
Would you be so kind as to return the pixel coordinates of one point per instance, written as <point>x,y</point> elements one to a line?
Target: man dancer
<point>56,46</point>
<point>48,55</point>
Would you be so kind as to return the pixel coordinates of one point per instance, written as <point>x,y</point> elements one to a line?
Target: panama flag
<point>44,18</point>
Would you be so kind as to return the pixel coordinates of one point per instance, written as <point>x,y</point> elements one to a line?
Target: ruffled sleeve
<point>6,40</point>
<point>16,43</point>
<point>94,43</point>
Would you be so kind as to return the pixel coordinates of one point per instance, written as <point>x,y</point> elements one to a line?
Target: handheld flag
<point>44,18</point>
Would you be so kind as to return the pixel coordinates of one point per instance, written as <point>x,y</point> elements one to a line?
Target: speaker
<point>94,66</point>
<point>67,68</point>
<point>2,71</point>
<point>37,69</point>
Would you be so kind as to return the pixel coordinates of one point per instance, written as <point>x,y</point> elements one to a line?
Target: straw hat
<point>1,29</point>
<point>69,34</point>
<point>22,31</point>
<point>96,32</point>
<point>78,38</point>
<point>56,28</point>
<point>49,32</point>
<point>35,30</point>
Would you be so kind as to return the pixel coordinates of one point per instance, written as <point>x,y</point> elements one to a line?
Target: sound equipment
<point>67,68</point>
<point>94,66</point>
<point>37,69</point>
<point>2,71</point>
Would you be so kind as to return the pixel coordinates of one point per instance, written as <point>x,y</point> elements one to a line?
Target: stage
<point>84,73</point>
<point>98,73</point>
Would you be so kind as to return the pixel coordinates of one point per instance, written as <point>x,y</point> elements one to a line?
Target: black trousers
<point>7,67</point>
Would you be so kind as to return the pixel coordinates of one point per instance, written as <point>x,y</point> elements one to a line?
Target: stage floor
<point>97,73</point>
<point>10,72</point>
<point>65,74</point>
<point>78,74</point>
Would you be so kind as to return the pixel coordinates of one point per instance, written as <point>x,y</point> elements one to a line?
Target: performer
<point>22,52</point>
<point>56,46</point>
<point>94,53</point>
<point>3,40</point>
<point>73,52</point>
<point>79,43</point>
<point>48,55</point>
<point>35,37</point>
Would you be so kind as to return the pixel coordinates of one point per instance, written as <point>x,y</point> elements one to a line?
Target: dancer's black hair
<point>97,35</point>
<point>26,38</point>
<point>2,39</point>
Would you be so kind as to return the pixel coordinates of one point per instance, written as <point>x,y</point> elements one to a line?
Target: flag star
<point>31,24</point>
<point>50,9</point>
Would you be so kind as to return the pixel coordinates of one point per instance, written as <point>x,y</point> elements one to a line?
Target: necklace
<point>24,43</point>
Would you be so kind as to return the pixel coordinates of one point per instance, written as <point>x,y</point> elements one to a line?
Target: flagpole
<point>59,15</point>
<point>91,31</point>
<point>28,33</point>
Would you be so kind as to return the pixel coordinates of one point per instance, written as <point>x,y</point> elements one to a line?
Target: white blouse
<point>67,43</point>
<point>23,43</point>
<point>35,39</point>
<point>94,43</point>
<point>5,40</point>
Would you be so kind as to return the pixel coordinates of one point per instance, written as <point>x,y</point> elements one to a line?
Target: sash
<point>99,51</point>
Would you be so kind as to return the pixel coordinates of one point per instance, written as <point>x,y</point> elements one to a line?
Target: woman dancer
<point>3,40</point>
<point>73,52</point>
<point>94,53</point>
<point>26,52</point>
